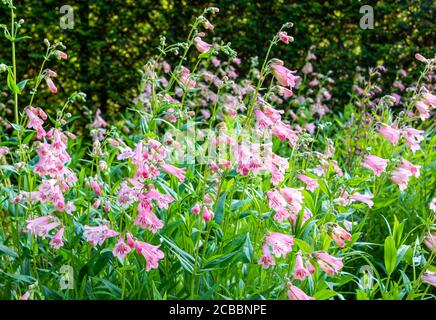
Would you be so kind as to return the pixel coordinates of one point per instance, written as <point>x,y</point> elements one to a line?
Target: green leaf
<point>390,255</point>
<point>324,294</point>
<point>8,251</point>
<point>22,84</point>
<point>248,249</point>
<point>101,262</point>
<point>303,246</point>
<point>361,295</point>
<point>219,212</point>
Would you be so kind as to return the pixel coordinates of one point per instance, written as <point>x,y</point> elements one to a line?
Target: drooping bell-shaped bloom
<point>423,110</point>
<point>391,134</point>
<point>338,234</point>
<point>430,242</point>
<point>329,264</point>
<point>196,209</point>
<point>41,226</point>
<point>376,164</point>
<point>413,138</point>
<point>51,85</point>
<point>365,198</point>
<point>207,214</point>
<point>283,36</point>
<point>201,45</point>
<point>97,235</point>
<point>266,259</point>
<point>301,272</point>
<point>96,187</point>
<point>311,184</point>
<point>151,253</point>
<point>429,278</point>
<point>295,293</point>
<point>429,99</point>
<point>121,249</point>
<point>280,243</point>
<point>414,169</point>
<point>283,75</point>
<point>401,177</point>
<point>56,242</point>
<point>179,173</point>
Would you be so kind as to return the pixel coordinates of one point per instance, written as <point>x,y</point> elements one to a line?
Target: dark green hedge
<point>112,39</point>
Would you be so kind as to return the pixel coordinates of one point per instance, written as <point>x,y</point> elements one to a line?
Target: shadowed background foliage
<point>111,40</point>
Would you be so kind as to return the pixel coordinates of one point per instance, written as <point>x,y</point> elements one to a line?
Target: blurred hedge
<point>112,39</point>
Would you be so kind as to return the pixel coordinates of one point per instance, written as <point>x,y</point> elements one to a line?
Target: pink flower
<point>266,259</point>
<point>311,184</point>
<point>121,249</point>
<point>51,85</point>
<point>207,214</point>
<point>421,58</point>
<point>25,296</point>
<point>207,25</point>
<point>97,235</point>
<point>3,151</point>
<point>413,138</point>
<point>391,134</point>
<point>301,272</point>
<point>329,264</point>
<point>201,45</point>
<point>96,187</point>
<point>338,234</point>
<point>196,208</point>
<point>41,226</point>
<point>295,293</point>
<point>401,178</point>
<point>423,110</point>
<point>61,55</point>
<point>365,198</point>
<point>151,253</point>
<point>179,173</point>
<point>56,242</point>
<point>281,244</point>
<point>376,164</point>
<point>283,75</point>
<point>414,170</point>
<point>262,120</point>
<point>429,278</point>
<point>430,242</point>
<point>285,38</point>
<point>429,99</point>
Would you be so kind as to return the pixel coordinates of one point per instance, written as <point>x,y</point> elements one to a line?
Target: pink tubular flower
<point>97,235</point>
<point>329,264</point>
<point>196,208</point>
<point>51,85</point>
<point>429,99</point>
<point>281,244</point>
<point>262,120</point>
<point>41,226</point>
<point>284,37</point>
<point>413,138</point>
<point>151,253</point>
<point>179,173</point>
<point>311,184</point>
<point>423,110</point>
<point>295,293</point>
<point>421,58</point>
<point>301,272</point>
<point>266,259</point>
<point>121,249</point>
<point>365,198</point>
<point>25,296</point>
<point>391,134</point>
<point>414,170</point>
<point>429,278</point>
<point>201,45</point>
<point>61,55</point>
<point>57,242</point>
<point>401,176</point>
<point>376,164</point>
<point>96,187</point>
<point>430,242</point>
<point>338,234</point>
<point>207,214</point>
<point>283,75</point>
